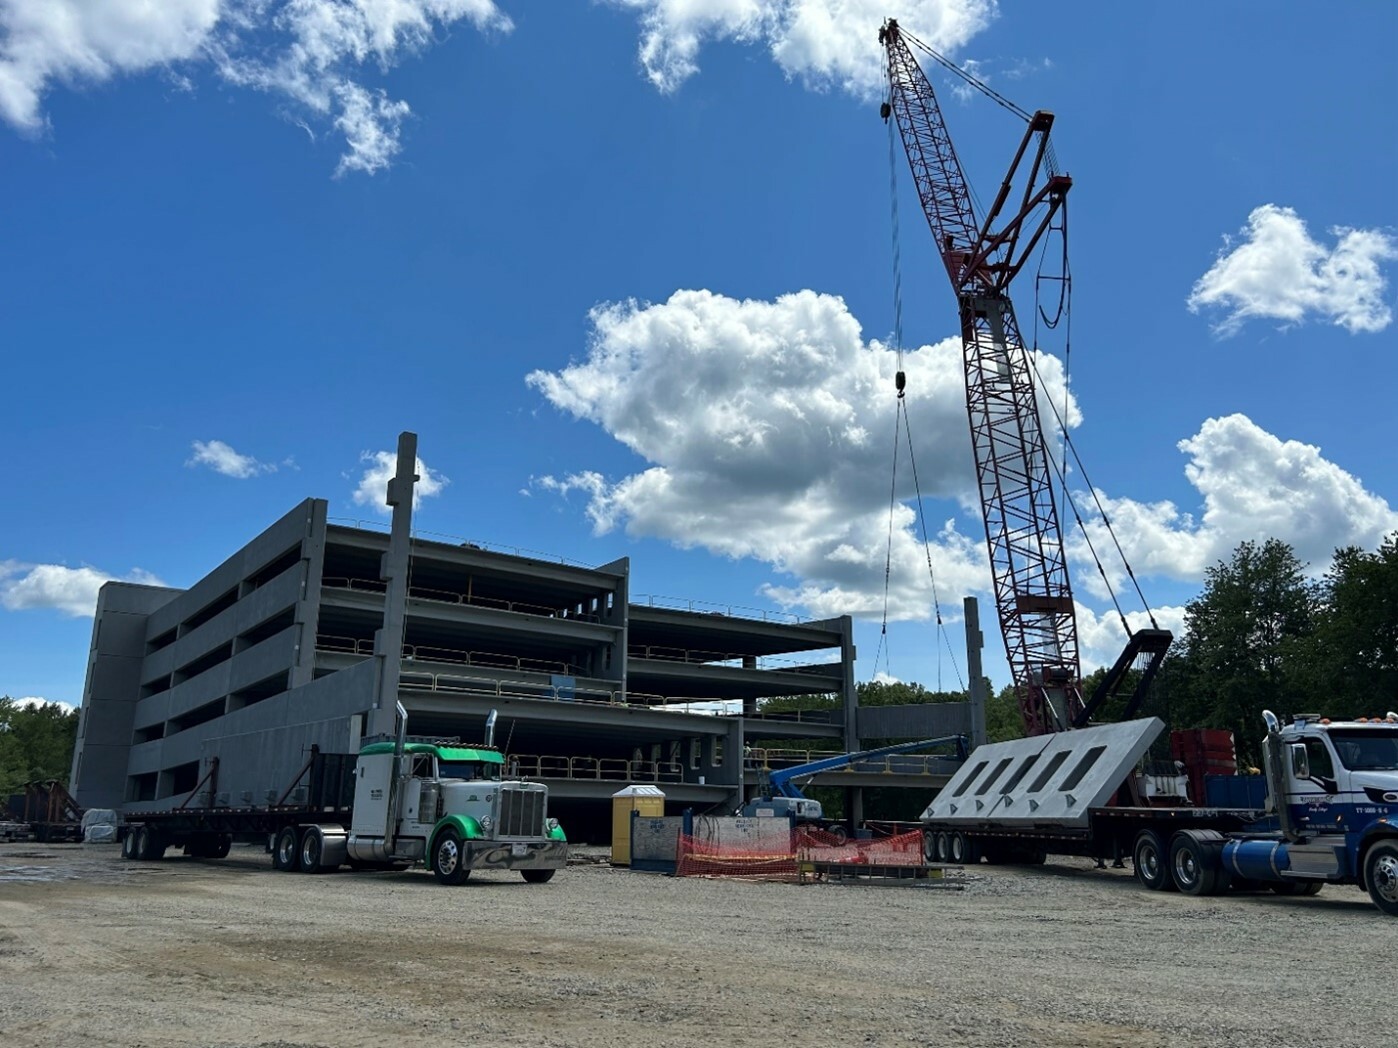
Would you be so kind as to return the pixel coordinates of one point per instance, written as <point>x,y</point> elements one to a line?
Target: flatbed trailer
<point>393,804</point>
<point>1111,834</point>
<point>1331,814</point>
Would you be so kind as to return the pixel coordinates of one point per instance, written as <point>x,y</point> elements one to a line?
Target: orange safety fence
<point>778,857</point>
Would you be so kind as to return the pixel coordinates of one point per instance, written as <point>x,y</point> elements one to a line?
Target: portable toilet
<point>648,800</point>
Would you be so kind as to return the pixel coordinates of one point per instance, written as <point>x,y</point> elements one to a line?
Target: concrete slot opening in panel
<point>1055,762</point>
<point>1083,766</point>
<point>966,782</point>
<point>990,779</point>
<point>1020,773</point>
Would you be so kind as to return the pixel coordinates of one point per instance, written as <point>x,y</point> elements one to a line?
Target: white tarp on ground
<point>99,825</point>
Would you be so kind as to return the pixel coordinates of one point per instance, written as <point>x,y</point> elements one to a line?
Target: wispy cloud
<point>312,52</point>
<point>72,591</point>
<point>221,458</point>
<point>317,55</point>
<point>373,483</point>
<point>1274,270</point>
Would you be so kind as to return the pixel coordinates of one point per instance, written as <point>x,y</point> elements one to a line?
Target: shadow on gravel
<point>1336,896</point>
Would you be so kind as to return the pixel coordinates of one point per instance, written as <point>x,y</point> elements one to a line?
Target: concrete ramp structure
<point>1044,780</point>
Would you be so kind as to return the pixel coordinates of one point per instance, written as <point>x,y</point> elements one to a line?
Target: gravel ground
<point>95,951</point>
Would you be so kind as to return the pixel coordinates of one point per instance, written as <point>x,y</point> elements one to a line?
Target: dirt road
<point>95,951</point>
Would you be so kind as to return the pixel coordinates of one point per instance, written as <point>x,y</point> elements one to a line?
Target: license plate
<point>519,851</point>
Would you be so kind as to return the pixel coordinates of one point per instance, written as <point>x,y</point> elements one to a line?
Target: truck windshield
<point>1366,750</point>
<point>467,770</point>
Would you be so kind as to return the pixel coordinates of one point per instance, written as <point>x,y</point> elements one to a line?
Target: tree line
<point>1262,635</point>
<point>36,743</point>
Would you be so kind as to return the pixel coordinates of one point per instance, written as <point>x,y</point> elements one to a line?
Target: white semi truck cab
<point>398,801</point>
<point>451,807</point>
<point>1333,788</point>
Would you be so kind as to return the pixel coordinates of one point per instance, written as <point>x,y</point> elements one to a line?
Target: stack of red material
<point>1203,751</point>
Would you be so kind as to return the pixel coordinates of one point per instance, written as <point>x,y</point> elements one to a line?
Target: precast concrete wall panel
<point>915,721</point>
<point>1048,779</point>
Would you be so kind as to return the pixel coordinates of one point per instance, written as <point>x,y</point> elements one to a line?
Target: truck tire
<point>149,846</point>
<point>220,846</point>
<point>286,850</point>
<point>1381,876</point>
<point>959,849</point>
<point>1196,862</point>
<point>839,836</point>
<point>929,846</point>
<point>943,846</point>
<point>1152,861</point>
<point>538,876</point>
<point>128,844</point>
<point>312,847</point>
<point>449,858</point>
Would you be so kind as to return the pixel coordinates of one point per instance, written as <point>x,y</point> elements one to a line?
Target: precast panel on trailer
<point>1044,780</point>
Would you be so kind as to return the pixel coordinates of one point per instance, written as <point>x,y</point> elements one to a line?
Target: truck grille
<point>522,812</point>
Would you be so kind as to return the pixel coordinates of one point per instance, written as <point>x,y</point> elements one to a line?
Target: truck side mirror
<point>1300,762</point>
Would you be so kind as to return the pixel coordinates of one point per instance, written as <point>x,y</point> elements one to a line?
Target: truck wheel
<point>286,852</point>
<point>538,876</point>
<point>128,843</point>
<point>220,846</point>
<point>956,847</point>
<point>312,845</point>
<point>929,846</point>
<point>449,858</point>
<point>1195,864</point>
<point>1381,876</point>
<point>145,838</point>
<point>838,834</point>
<point>943,846</point>
<point>1152,862</point>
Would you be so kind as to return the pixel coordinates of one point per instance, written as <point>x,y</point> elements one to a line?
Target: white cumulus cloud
<point>1254,486</point>
<point>823,43</point>
<point>1274,270</point>
<point>221,458</point>
<point>312,52</point>
<point>769,430</point>
<point>381,466</point>
<point>33,702</point>
<point>78,41</point>
<point>72,591</point>
<point>1102,638</point>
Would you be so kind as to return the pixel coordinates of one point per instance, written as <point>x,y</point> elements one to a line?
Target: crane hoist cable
<point>903,424</point>
<point>1059,469</point>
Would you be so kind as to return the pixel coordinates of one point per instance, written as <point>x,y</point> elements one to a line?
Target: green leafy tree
<point>36,742</point>
<point>1247,638</point>
<point>1352,665</point>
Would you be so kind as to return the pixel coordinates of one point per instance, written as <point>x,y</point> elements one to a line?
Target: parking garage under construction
<point>273,653</point>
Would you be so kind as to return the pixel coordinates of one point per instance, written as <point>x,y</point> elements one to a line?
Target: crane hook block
<point>885,111</point>
<point>901,382</point>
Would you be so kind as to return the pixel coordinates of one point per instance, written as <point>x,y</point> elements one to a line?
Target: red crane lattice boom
<point>1033,596</point>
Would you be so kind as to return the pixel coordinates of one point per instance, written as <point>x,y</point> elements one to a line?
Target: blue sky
<point>625,268</point>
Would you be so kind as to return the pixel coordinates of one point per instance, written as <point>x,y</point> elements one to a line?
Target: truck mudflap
<point>515,855</point>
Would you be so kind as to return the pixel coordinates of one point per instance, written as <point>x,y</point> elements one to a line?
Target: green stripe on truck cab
<point>446,753</point>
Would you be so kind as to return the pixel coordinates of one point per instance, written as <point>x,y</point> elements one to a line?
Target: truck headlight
<point>487,823</point>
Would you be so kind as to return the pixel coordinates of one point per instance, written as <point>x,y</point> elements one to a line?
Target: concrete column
<point>854,795</point>
<point>388,640</point>
<point>975,641</point>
